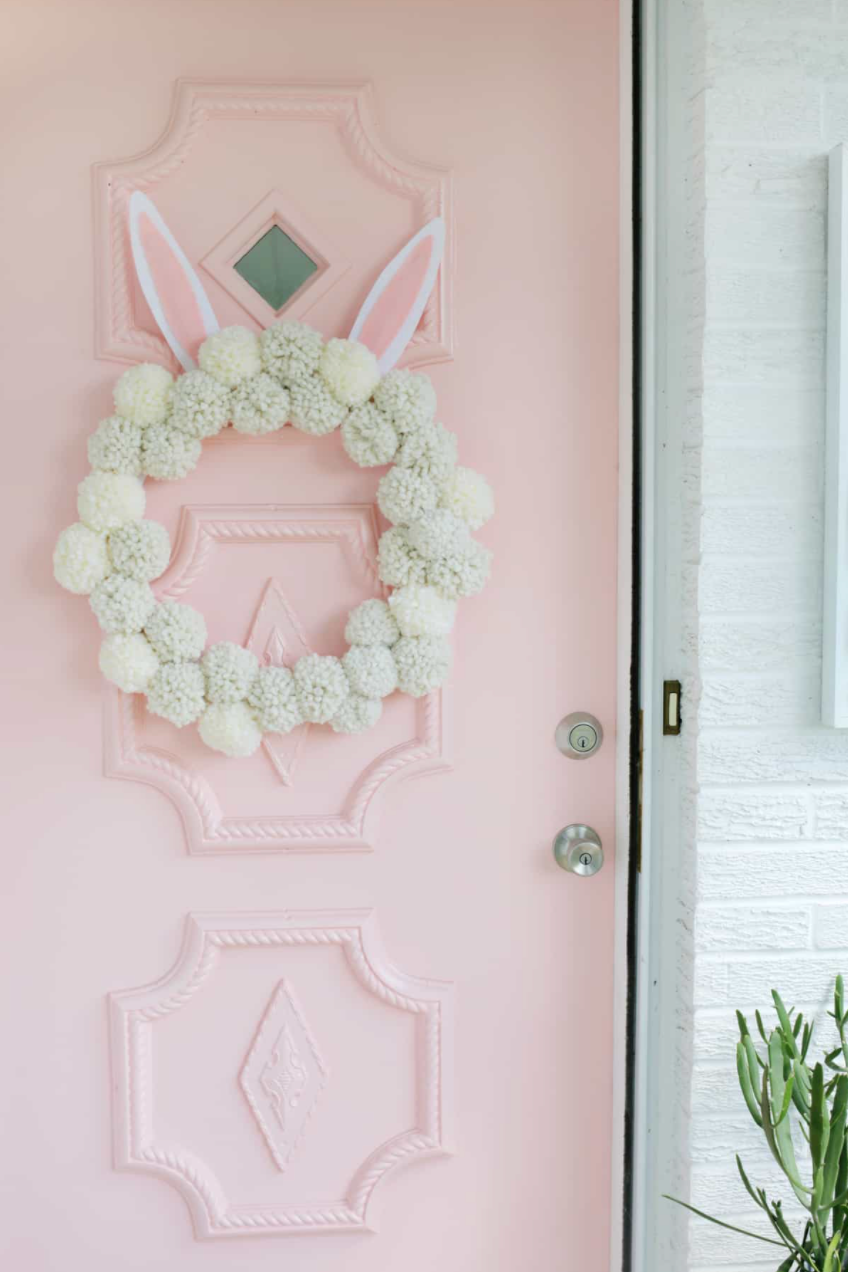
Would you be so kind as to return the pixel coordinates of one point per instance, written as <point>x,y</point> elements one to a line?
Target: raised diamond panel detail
<point>275,267</point>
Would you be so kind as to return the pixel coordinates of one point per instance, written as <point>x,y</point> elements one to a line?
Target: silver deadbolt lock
<point>578,849</point>
<point>579,735</point>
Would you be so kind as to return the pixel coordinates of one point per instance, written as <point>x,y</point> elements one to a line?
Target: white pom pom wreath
<point>259,405</point>
<point>143,394</point>
<point>371,623</point>
<point>291,351</point>
<point>230,727</point>
<point>370,670</point>
<point>108,500</point>
<point>469,495</point>
<point>116,446</point>
<point>407,398</point>
<point>201,405</point>
<point>397,562</point>
<point>423,663</point>
<point>229,670</point>
<point>368,437</point>
<point>349,370</point>
<point>273,700</point>
<point>356,714</point>
<point>176,632</point>
<point>431,450</point>
<point>80,559</point>
<point>175,693</point>
<point>167,453</point>
<point>129,662</point>
<point>405,494</point>
<point>313,409</point>
<point>438,534</point>
<point>421,611</point>
<point>140,549</point>
<point>121,604</point>
<point>230,355</point>
<point>321,687</point>
<point>462,573</point>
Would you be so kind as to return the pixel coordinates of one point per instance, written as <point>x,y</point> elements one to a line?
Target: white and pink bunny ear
<point>171,287</point>
<point>395,303</point>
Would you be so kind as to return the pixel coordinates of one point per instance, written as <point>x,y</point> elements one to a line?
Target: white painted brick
<point>768,236</point>
<point>831,927</point>
<point>760,412</point>
<point>764,356</point>
<point>831,815</point>
<point>728,815</point>
<point>781,531</point>
<point>728,587</point>
<point>814,49</point>
<point>761,15</point>
<point>792,297</point>
<point>757,473</point>
<point>739,928</point>
<point>835,114</point>
<point>710,984</point>
<point>738,874</point>
<point>759,701</point>
<point>746,107</point>
<point>789,178</point>
<point>816,755</point>
<point>728,644</point>
<point>793,976</point>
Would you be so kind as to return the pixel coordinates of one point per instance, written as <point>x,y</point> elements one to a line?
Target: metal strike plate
<point>579,735</point>
<point>578,849</point>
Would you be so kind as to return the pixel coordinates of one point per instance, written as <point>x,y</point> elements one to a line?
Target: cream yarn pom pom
<point>259,405</point>
<point>291,351</point>
<point>407,398</point>
<point>368,437</point>
<point>201,404</point>
<point>143,394</point>
<point>313,409</point>
<point>121,604</point>
<point>128,661</point>
<point>461,573</point>
<point>321,687</point>
<point>274,700</point>
<point>370,670</point>
<point>438,534</point>
<point>177,632</point>
<point>423,663</point>
<point>140,549</point>
<point>405,494</point>
<point>176,693</point>
<point>421,611</point>
<point>108,500</point>
<point>80,559</point>
<point>431,449</point>
<point>168,453</point>
<point>469,495</point>
<point>230,670</point>
<point>230,355</point>
<point>397,562</point>
<point>230,727</point>
<point>371,623</point>
<point>356,714</point>
<point>116,446</point>
<point>350,371</point>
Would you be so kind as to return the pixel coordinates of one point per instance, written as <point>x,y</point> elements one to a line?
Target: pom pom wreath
<point>143,394</point>
<point>175,693</point>
<point>350,371</point>
<point>230,355</point>
<point>356,714</point>
<point>121,604</point>
<point>423,663</point>
<point>230,670</point>
<point>108,500</point>
<point>129,662</point>
<point>407,398</point>
<point>313,409</point>
<point>116,446</point>
<point>370,670</point>
<point>462,573</point>
<point>405,494</point>
<point>397,562</point>
<point>438,534</point>
<point>176,632</point>
<point>168,453</point>
<point>201,405</point>
<point>469,495</point>
<point>371,623</point>
<point>259,405</point>
<point>140,549</point>
<point>291,351</point>
<point>421,611</point>
<point>80,559</point>
<point>274,701</point>
<point>368,437</point>
<point>230,727</point>
<point>321,687</point>
<point>430,450</point>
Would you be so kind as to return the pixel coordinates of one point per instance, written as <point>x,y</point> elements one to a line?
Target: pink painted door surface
<point>301,1011</point>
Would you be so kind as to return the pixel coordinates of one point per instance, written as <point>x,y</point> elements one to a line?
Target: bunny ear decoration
<point>393,307</point>
<point>171,287</point>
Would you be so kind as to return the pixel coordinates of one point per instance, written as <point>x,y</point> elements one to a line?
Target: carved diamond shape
<point>275,267</point>
<point>283,1075</point>
<point>278,640</point>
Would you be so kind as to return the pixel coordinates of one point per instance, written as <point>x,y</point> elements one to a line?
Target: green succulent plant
<point>783,1092</point>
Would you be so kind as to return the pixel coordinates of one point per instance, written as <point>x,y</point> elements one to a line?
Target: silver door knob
<point>578,849</point>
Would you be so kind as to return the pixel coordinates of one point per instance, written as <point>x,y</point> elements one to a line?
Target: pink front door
<point>298,1011</point>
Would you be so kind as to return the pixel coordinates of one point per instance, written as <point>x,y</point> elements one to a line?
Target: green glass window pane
<point>275,267</point>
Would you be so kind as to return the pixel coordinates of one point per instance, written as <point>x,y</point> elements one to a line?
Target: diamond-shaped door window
<point>275,267</point>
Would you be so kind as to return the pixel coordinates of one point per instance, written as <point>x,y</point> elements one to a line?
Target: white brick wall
<point>769,785</point>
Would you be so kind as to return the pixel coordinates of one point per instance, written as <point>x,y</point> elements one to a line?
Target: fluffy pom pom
<point>368,437</point>
<point>167,453</point>
<point>143,394</point>
<point>356,714</point>
<point>291,351</point>
<point>176,632</point>
<point>407,398</point>
<point>431,450</point>
<point>461,573</point>
<point>371,623</point>
<point>469,495</point>
<point>370,670</point>
<point>405,494</point>
<point>423,663</point>
<point>129,662</point>
<point>230,727</point>
<point>421,611</point>
<point>259,405</point>
<point>274,701</point>
<point>116,446</point>
<point>349,370</point>
<point>230,670</point>
<point>140,549</point>
<point>313,409</point>
<point>321,687</point>
<point>175,693</point>
<point>438,534</point>
<point>397,562</point>
<point>230,355</point>
<point>201,405</point>
<point>121,604</point>
<point>108,500</point>
<point>80,559</point>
